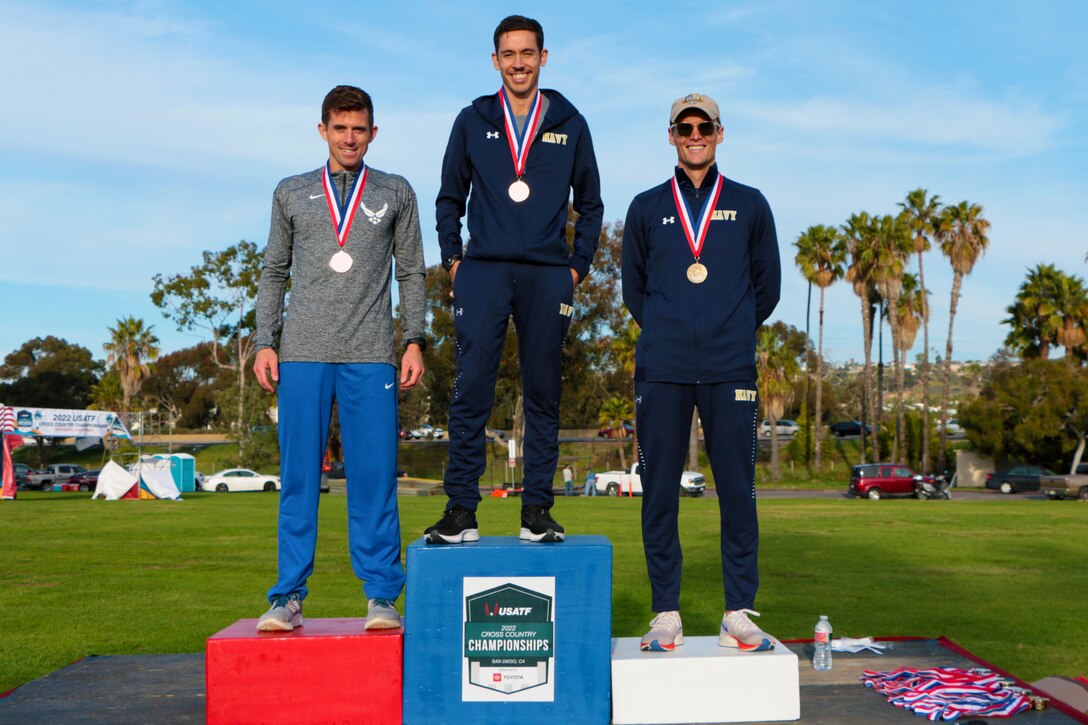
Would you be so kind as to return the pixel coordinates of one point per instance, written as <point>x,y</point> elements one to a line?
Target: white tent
<point>114,483</point>
<point>158,482</point>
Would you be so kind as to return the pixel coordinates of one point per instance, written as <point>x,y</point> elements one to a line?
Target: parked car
<point>86,480</point>
<point>954,429</point>
<point>1071,485</point>
<point>848,428</point>
<point>54,473</point>
<point>427,432</point>
<point>241,479</point>
<point>22,474</point>
<point>494,434</point>
<point>627,430</point>
<point>1015,479</point>
<point>782,427</point>
<point>623,483</point>
<point>879,480</point>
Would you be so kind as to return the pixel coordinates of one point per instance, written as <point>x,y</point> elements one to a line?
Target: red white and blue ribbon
<point>696,234</point>
<point>946,693</point>
<point>520,142</point>
<point>343,215</point>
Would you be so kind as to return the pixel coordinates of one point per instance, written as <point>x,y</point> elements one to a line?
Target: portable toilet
<point>182,469</point>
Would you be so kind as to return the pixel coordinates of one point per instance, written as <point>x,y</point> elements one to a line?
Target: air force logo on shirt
<point>374,216</point>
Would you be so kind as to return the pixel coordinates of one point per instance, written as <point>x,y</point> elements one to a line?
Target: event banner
<point>55,423</point>
<point>509,642</point>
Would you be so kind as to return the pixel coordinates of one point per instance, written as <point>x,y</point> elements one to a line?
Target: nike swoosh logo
<point>316,196</point>
<point>388,386</point>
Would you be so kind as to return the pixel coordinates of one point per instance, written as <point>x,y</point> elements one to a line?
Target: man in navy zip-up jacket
<point>701,273</point>
<point>519,152</point>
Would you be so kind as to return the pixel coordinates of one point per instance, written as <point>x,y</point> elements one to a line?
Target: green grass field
<point>1005,579</point>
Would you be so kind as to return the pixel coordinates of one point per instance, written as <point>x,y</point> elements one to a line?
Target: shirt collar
<point>685,182</point>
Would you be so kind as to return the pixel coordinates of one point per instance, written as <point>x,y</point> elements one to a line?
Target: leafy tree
<point>217,296</point>
<point>188,383</point>
<point>1035,411</point>
<point>961,231</point>
<point>612,415</point>
<point>776,367</point>
<point>821,254</point>
<point>859,234</point>
<point>1032,316</point>
<point>131,345</point>
<point>49,372</point>
<point>921,211</point>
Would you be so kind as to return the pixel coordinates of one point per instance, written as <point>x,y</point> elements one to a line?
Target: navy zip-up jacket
<point>699,333</point>
<point>533,231</point>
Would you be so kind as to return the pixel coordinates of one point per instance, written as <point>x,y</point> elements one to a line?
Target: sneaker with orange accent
<point>740,632</point>
<point>666,633</point>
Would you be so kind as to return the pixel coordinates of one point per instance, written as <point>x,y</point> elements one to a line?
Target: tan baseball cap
<point>699,101</point>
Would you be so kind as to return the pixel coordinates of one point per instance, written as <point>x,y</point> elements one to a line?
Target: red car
<point>877,480</point>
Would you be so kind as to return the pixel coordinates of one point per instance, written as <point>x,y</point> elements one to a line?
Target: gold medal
<point>697,273</point>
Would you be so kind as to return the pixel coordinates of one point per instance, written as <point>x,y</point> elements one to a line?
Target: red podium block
<point>328,671</point>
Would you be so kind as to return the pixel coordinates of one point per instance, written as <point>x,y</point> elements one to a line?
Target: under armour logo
<point>492,134</point>
<point>668,220</point>
<point>460,311</point>
<point>375,216</point>
<point>638,400</point>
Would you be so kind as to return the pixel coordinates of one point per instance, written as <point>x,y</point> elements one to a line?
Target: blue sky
<point>136,134</point>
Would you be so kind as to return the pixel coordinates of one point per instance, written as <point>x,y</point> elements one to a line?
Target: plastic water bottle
<point>822,659</point>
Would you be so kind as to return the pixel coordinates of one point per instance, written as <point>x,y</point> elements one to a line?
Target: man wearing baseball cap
<point>701,273</point>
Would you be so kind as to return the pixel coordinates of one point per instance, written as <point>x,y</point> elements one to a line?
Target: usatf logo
<point>492,610</point>
<point>668,220</point>
<point>559,138</point>
<point>492,134</point>
<point>724,215</point>
<point>746,395</point>
<point>565,310</point>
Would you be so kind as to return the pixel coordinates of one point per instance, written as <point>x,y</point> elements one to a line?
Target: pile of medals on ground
<point>946,693</point>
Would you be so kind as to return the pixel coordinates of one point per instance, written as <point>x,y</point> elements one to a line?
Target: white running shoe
<point>666,633</point>
<point>740,632</point>
<point>285,614</point>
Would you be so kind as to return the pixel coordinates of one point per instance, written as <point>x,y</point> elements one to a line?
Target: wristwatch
<point>449,261</point>
<point>421,341</point>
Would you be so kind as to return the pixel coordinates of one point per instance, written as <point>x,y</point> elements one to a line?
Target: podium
<point>506,631</point>
<point>700,682</point>
<point>329,670</point>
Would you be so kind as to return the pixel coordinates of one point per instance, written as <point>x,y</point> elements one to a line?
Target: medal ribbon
<point>343,215</point>
<point>520,142</point>
<point>696,236</point>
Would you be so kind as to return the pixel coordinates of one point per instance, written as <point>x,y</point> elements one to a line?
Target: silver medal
<point>340,262</point>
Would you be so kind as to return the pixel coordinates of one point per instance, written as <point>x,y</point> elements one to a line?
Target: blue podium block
<point>505,631</point>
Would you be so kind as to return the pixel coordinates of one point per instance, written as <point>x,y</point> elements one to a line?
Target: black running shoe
<point>537,524</point>
<point>456,526</point>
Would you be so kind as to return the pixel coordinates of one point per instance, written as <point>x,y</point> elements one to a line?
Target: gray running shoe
<point>666,633</point>
<point>381,614</point>
<point>285,614</point>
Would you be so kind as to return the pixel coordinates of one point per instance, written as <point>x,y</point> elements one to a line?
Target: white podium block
<point>700,682</point>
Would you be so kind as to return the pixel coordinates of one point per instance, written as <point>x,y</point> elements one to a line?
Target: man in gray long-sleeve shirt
<point>335,233</point>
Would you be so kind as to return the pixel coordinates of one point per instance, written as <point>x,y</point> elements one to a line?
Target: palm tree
<point>131,345</point>
<point>891,248</point>
<point>858,234</point>
<point>1032,316</point>
<point>922,214</point>
<point>961,231</point>
<point>776,369</point>
<point>1071,305</point>
<point>612,415</point>
<point>821,253</point>
<point>913,313</point>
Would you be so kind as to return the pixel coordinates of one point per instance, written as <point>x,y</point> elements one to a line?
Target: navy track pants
<point>728,412</point>
<point>366,396</point>
<point>485,295</point>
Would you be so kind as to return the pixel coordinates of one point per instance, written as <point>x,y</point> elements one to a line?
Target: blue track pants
<point>366,395</point>
<point>486,295</point>
<point>728,412</point>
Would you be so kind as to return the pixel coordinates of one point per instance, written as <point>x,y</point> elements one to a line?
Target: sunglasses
<point>706,128</point>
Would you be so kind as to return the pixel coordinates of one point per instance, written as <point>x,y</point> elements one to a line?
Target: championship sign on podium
<point>506,631</point>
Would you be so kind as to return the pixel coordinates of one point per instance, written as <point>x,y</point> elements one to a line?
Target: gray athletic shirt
<point>331,316</point>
